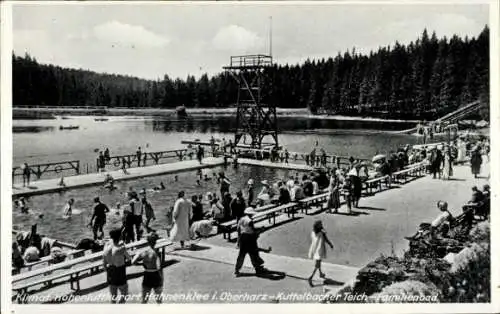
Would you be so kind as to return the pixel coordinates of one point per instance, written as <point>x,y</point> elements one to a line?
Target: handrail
<point>47,167</point>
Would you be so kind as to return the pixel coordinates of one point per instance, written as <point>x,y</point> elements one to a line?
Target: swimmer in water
<point>160,187</point>
<point>198,182</point>
<point>68,209</point>
<point>206,178</point>
<point>118,208</point>
<point>176,178</point>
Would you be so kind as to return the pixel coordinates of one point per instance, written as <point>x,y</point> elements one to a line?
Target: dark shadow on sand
<point>265,228</point>
<point>371,208</point>
<point>192,247</point>
<point>352,213</point>
<point>455,179</point>
<point>328,282</point>
<point>269,274</point>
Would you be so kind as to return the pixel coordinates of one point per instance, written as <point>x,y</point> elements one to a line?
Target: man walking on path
<point>247,243</point>
<point>115,256</point>
<point>139,155</point>
<point>153,273</point>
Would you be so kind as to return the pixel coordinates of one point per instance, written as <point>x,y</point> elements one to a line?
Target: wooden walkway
<point>51,185</point>
<point>277,165</point>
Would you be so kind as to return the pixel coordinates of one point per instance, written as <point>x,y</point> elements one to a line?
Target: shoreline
<point>19,113</point>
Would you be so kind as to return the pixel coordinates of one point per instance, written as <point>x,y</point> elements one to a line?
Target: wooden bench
<point>49,260</point>
<point>229,226</point>
<point>369,184</point>
<point>271,213</point>
<point>93,263</point>
<point>268,212</point>
<point>305,203</point>
<point>401,176</point>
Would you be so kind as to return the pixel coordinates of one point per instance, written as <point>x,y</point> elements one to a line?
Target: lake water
<point>39,141</point>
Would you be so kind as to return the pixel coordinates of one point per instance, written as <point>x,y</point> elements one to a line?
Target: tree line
<point>422,80</point>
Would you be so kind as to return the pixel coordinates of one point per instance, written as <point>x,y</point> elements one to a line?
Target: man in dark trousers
<point>238,206</point>
<point>139,155</point>
<point>26,174</point>
<point>247,243</point>
<point>199,153</point>
<point>98,219</point>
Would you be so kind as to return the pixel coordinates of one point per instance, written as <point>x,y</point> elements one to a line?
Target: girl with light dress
<point>317,250</point>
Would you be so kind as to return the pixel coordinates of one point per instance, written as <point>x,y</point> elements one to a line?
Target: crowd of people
<point>478,205</point>
<point>188,220</point>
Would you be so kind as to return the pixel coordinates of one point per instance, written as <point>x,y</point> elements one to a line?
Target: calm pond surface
<point>40,141</point>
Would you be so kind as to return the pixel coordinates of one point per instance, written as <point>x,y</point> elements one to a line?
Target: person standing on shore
<point>182,214</point>
<point>333,203</point>
<point>138,154</point>
<point>447,164</point>
<point>317,250</point>
<point>199,153</point>
<point>476,161</point>
<point>250,192</point>
<point>107,156</point>
<point>101,162</point>
<point>136,212</point>
<point>147,208</point>
<point>153,273</point>
<point>98,219</point>
<point>197,209</point>
<point>212,145</point>
<point>124,165</point>
<point>115,256</point>
<point>238,206</point>
<point>224,184</point>
<point>26,174</point>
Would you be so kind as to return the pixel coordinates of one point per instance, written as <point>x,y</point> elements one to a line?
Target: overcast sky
<point>150,40</point>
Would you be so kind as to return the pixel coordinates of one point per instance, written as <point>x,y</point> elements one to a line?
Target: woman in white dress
<point>462,152</point>
<point>182,214</point>
<point>317,250</point>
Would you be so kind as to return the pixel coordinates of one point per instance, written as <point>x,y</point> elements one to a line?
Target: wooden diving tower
<point>253,117</point>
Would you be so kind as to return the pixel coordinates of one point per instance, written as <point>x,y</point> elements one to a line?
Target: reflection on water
<point>227,124</point>
<point>31,129</point>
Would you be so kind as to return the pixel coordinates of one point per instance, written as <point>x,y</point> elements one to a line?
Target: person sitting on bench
<point>438,225</point>
<point>477,196</point>
<point>486,191</point>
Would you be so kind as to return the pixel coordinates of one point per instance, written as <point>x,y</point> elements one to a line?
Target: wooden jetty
<point>52,185</point>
